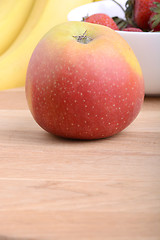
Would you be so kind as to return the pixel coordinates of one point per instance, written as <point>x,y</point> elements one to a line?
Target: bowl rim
<point>137,33</point>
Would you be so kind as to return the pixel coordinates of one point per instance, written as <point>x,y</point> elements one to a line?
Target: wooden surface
<point>57,189</point>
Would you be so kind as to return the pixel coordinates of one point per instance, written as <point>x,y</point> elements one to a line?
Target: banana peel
<point>12,23</point>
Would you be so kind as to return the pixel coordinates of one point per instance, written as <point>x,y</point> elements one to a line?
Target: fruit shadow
<point>52,138</point>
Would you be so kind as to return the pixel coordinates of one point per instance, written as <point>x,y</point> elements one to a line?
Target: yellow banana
<point>12,22</point>
<point>5,7</point>
<point>30,24</point>
<point>13,66</point>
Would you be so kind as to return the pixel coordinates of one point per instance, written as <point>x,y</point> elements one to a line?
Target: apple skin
<point>84,91</point>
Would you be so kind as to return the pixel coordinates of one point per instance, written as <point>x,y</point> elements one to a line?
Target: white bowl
<point>146,45</point>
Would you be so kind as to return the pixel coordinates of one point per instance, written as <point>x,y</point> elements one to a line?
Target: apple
<point>84,82</point>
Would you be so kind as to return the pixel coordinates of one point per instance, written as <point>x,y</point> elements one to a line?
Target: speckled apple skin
<point>84,91</point>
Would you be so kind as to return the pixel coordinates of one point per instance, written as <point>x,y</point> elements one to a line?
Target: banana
<point>30,24</point>
<point>12,21</point>
<point>13,66</point>
<point>5,7</point>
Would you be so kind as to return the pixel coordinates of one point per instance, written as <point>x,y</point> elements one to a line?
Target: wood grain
<point>57,189</point>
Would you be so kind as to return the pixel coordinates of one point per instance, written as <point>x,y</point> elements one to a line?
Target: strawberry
<point>132,29</point>
<point>138,13</point>
<point>142,13</point>
<point>154,21</point>
<point>102,19</point>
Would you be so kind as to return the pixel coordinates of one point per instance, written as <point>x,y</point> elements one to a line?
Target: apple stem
<point>83,38</point>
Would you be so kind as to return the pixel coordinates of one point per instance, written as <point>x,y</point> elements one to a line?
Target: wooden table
<point>57,189</point>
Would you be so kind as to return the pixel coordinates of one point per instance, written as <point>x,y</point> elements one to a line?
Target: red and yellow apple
<point>84,82</point>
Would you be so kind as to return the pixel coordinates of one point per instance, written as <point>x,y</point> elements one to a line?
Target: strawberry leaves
<point>121,23</point>
<point>129,12</point>
<point>155,17</point>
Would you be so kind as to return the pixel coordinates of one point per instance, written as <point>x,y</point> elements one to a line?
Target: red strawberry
<point>154,21</point>
<point>138,12</point>
<point>132,29</point>
<point>142,13</point>
<point>102,19</point>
